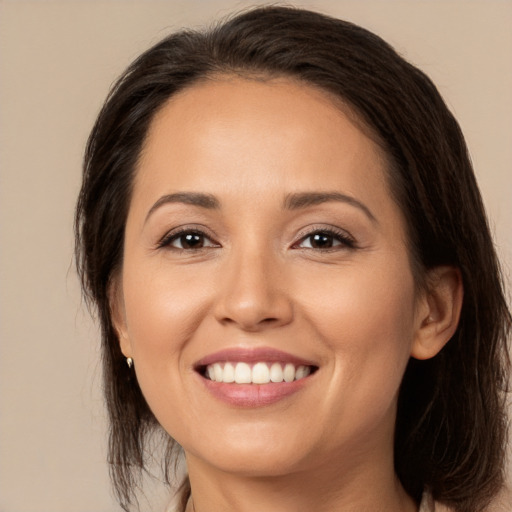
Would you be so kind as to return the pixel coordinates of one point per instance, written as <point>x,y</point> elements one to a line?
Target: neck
<point>367,487</point>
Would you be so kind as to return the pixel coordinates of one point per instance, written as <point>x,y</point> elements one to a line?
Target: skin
<point>259,281</point>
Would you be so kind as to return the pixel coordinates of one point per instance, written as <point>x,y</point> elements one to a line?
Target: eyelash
<point>346,241</point>
<point>169,238</point>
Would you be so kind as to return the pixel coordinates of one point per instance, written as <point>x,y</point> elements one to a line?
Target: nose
<point>253,294</point>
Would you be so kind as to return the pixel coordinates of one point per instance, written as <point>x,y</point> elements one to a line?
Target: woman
<point>282,233</point>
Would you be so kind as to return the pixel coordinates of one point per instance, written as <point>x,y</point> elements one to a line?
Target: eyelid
<point>346,239</point>
<point>169,236</point>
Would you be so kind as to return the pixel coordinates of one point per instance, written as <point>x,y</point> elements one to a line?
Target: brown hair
<point>451,421</point>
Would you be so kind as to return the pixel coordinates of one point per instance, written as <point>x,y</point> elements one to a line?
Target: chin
<point>255,465</point>
<point>262,456</point>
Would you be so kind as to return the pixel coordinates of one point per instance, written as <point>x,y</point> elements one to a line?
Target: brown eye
<point>187,240</point>
<point>326,240</point>
<point>321,241</point>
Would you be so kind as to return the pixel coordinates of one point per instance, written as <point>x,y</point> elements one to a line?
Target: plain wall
<point>57,61</point>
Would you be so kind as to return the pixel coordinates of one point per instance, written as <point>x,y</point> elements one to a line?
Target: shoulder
<point>175,504</point>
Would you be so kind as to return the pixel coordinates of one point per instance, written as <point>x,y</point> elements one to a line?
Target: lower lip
<point>253,395</point>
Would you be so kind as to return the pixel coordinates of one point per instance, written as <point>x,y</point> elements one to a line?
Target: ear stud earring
<point>129,362</point>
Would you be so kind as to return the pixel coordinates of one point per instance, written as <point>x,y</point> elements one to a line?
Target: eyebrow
<point>207,201</point>
<point>305,199</point>
<point>294,201</point>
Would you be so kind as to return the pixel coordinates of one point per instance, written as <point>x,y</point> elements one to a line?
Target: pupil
<point>322,240</point>
<point>191,241</point>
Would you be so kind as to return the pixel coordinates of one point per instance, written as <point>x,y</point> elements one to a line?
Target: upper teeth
<point>259,373</point>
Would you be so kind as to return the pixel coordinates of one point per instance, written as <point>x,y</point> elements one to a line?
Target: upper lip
<point>252,355</point>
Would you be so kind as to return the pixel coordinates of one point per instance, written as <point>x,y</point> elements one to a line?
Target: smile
<point>258,373</point>
<point>254,377</point>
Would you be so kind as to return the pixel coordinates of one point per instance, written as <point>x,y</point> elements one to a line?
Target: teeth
<point>217,372</point>
<point>229,373</point>
<point>276,373</point>
<point>243,374</point>
<point>289,373</point>
<point>259,373</point>
<point>301,372</point>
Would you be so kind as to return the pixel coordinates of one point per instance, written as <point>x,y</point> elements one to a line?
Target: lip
<point>252,395</point>
<point>252,355</point>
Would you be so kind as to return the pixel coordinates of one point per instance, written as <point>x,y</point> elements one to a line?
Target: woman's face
<point>263,244</point>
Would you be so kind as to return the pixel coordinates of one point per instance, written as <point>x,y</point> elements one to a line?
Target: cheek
<point>371,302</point>
<point>366,318</point>
<point>163,311</point>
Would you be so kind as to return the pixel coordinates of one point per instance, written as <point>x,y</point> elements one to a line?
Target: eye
<point>325,239</point>
<point>187,240</point>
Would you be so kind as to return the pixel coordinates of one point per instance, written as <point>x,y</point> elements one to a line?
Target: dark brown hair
<point>451,422</point>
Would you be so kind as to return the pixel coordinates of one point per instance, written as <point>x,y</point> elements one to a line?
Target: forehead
<point>277,126</point>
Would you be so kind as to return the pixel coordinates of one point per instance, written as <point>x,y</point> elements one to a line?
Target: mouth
<point>261,372</point>
<point>254,377</point>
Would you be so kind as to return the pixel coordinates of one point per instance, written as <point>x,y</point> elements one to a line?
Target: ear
<point>118,315</point>
<point>438,311</point>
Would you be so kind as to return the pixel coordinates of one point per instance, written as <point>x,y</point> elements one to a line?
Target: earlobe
<point>118,316</point>
<point>439,315</point>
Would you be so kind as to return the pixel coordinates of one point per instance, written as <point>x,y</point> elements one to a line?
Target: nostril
<point>251,298</point>
<point>251,323</point>
<point>270,320</point>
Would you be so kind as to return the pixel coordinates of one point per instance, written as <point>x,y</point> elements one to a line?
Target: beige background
<point>57,60</point>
